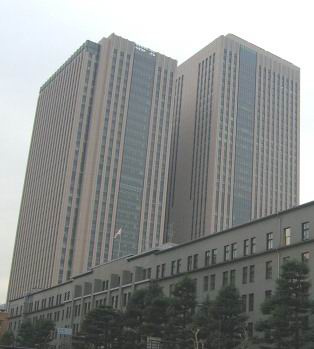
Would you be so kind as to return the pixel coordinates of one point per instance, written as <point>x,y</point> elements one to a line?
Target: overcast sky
<point>36,37</point>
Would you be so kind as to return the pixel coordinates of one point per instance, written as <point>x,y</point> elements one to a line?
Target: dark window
<point>207,258</point>
<point>189,263</point>
<point>163,270</point>
<point>269,241</point>
<point>234,250</point>
<point>245,247</point>
<point>225,278</point>
<point>195,261</point>
<point>251,302</point>
<point>253,245</point>
<point>226,253</point>
<point>157,271</point>
<point>268,294</point>
<point>173,265</point>
<point>244,275</point>
<point>178,266</point>
<point>252,273</point>
<point>243,301</point>
<point>214,255</point>
<point>232,277</point>
<point>205,284</point>
<point>250,329</point>
<point>269,270</point>
<point>212,281</point>
<point>305,231</point>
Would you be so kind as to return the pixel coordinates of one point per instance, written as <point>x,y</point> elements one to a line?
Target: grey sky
<point>38,36</point>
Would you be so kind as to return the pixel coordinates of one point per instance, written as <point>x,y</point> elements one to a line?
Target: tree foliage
<point>287,312</point>
<point>7,338</point>
<point>103,327</point>
<point>39,334</point>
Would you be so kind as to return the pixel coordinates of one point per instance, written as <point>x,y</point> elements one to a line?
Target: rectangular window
<point>178,266</point>
<point>205,283</point>
<point>195,261</point>
<point>305,256</point>
<point>225,278</point>
<point>189,263</point>
<point>234,250</point>
<point>269,270</point>
<point>253,245</point>
<point>244,275</point>
<point>252,273</point>
<point>226,253</point>
<point>212,281</point>
<point>243,301</point>
<point>251,302</point>
<point>232,277</point>
<point>158,272</point>
<point>163,270</point>
<point>287,236</point>
<point>250,329</point>
<point>173,265</point>
<point>268,294</point>
<point>246,247</point>
<point>149,273</point>
<point>269,241</point>
<point>214,255</point>
<point>305,231</point>
<point>207,258</point>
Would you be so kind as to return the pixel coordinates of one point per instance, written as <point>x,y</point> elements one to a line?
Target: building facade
<point>235,139</point>
<point>97,165</point>
<point>248,256</point>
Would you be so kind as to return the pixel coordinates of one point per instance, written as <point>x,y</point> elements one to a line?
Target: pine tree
<point>286,325</point>
<point>181,312</point>
<point>103,327</point>
<point>228,322</point>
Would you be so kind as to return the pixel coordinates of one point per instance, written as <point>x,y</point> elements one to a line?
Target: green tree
<point>39,334</point>
<point>203,325</point>
<point>228,322</point>
<point>103,327</point>
<point>7,338</point>
<point>146,316</point>
<point>181,312</point>
<point>286,324</point>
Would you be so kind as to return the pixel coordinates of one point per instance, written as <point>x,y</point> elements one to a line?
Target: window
<point>163,270</point>
<point>243,301</point>
<point>287,236</point>
<point>214,255</point>
<point>251,302</point>
<point>225,278</point>
<point>268,294</point>
<point>234,250</point>
<point>195,261</point>
<point>246,247</point>
<point>253,245</point>
<point>173,265</point>
<point>269,241</point>
<point>305,256</point>
<point>189,263</point>
<point>252,273</point>
<point>244,275</point>
<point>305,231</point>
<point>232,277</point>
<point>207,258</point>
<point>149,273</point>
<point>157,272</point>
<point>205,283</point>
<point>226,253</point>
<point>250,329</point>
<point>212,281</point>
<point>269,270</point>
<point>178,266</point>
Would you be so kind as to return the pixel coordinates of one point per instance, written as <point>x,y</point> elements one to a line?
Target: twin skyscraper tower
<point>130,151</point>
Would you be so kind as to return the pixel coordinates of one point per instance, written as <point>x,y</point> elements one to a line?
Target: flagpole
<point>119,246</point>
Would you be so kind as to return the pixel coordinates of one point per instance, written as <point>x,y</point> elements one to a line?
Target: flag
<point>118,233</point>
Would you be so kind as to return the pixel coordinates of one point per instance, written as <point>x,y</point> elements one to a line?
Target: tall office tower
<point>235,139</point>
<point>98,164</point>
